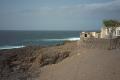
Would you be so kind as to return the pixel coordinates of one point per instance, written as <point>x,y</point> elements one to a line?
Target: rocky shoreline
<point>25,63</point>
<point>67,61</point>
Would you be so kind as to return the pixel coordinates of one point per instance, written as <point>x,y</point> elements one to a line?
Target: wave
<point>65,39</point>
<point>40,41</point>
<point>10,47</point>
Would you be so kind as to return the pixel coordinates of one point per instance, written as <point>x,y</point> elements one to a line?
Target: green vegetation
<point>111,23</point>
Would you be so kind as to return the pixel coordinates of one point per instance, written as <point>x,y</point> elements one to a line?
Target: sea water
<point>17,39</point>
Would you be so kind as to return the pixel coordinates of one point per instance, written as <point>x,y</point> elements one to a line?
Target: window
<point>118,32</point>
<point>85,35</point>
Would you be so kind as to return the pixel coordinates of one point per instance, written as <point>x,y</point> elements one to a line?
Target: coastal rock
<point>26,63</point>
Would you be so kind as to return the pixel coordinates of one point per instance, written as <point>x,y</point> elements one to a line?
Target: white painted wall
<point>118,31</point>
<point>106,33</point>
<point>93,34</point>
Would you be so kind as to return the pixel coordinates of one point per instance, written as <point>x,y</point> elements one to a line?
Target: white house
<point>106,33</point>
<point>90,35</point>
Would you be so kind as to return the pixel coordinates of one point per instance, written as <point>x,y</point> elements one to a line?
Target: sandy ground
<point>87,64</point>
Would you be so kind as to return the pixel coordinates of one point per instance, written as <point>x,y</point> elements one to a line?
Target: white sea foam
<point>10,47</point>
<point>73,39</point>
<point>65,39</point>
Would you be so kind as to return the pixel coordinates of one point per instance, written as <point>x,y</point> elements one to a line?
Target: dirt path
<point>87,65</point>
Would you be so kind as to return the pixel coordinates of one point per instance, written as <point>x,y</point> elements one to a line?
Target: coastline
<point>23,61</point>
<point>46,40</point>
<point>55,62</point>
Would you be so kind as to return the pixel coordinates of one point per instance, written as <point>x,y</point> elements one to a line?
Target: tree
<point>111,24</point>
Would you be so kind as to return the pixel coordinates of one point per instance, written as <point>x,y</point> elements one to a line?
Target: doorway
<point>85,35</point>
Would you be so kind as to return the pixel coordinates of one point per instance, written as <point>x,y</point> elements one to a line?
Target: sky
<point>57,14</point>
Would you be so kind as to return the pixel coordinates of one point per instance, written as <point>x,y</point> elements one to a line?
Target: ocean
<point>16,39</point>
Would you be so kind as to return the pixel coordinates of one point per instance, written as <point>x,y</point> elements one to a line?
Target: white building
<point>106,33</point>
<point>90,35</point>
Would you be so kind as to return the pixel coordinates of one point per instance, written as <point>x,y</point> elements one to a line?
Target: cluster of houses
<point>104,33</point>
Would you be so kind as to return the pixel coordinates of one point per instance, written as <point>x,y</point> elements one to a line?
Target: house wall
<point>90,35</point>
<point>93,34</point>
<point>118,31</point>
<point>98,35</point>
<point>106,33</point>
<point>82,35</point>
<point>100,43</point>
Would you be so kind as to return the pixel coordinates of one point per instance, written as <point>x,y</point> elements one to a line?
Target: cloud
<point>93,8</point>
<point>111,8</point>
<point>63,17</point>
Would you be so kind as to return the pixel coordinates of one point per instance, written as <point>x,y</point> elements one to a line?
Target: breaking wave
<point>45,41</point>
<point>65,39</point>
<point>10,47</point>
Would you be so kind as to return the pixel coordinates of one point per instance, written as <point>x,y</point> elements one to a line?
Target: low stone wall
<point>100,43</point>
